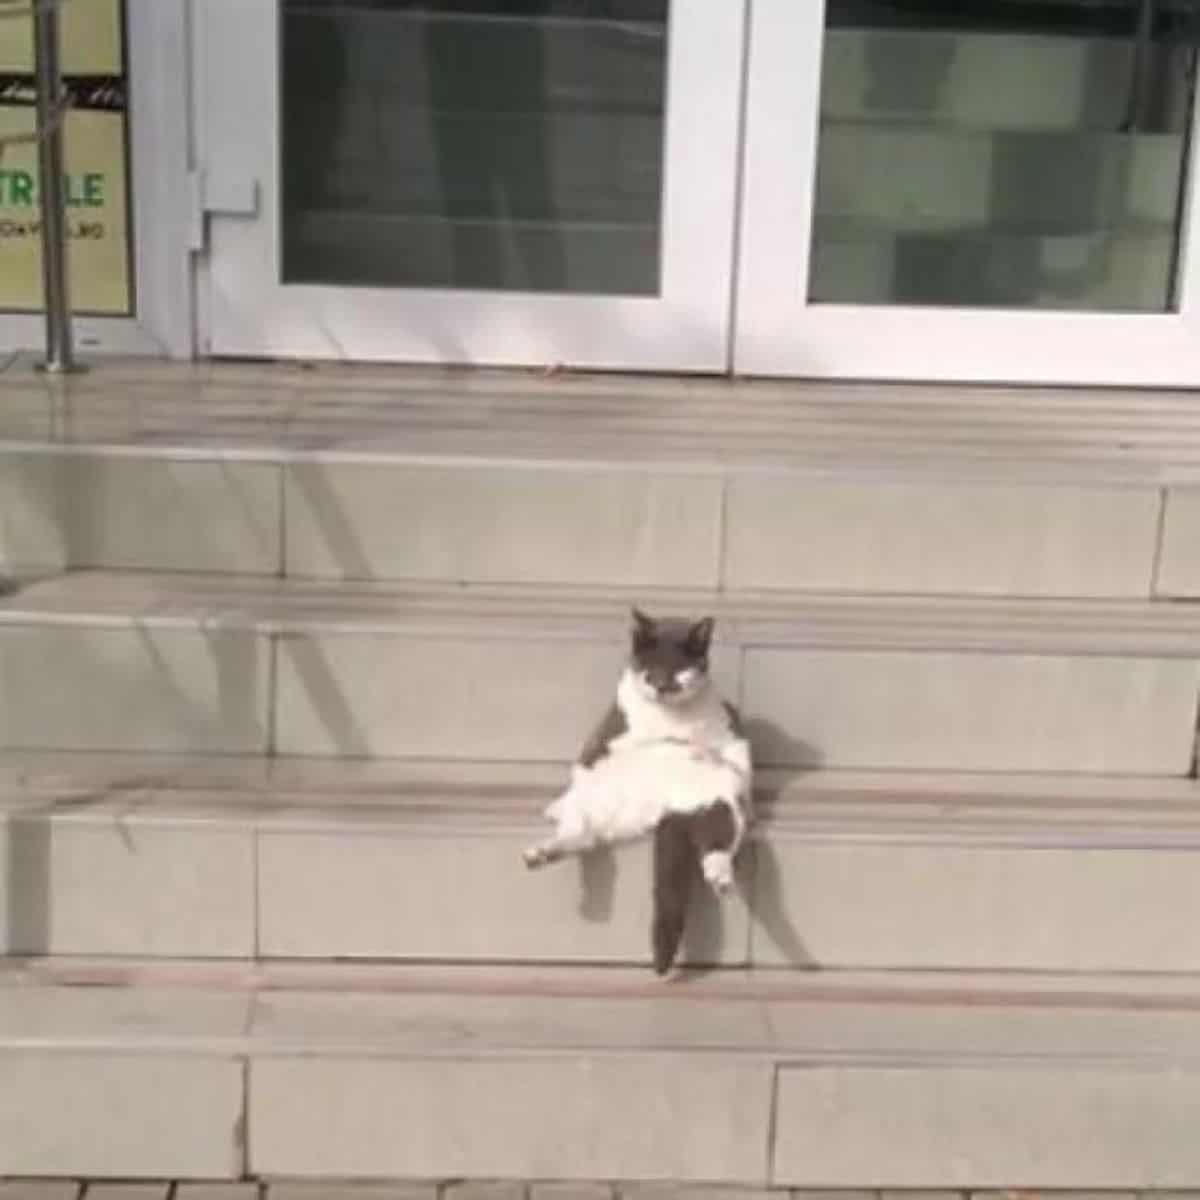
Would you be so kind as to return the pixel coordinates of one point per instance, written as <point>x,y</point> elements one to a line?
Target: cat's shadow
<point>597,885</point>
<point>773,746</point>
<point>762,885</point>
<point>705,931</point>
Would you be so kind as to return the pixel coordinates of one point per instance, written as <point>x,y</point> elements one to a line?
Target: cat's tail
<point>674,870</point>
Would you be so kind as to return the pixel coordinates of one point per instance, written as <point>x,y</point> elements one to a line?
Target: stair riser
<point>791,1121</point>
<point>126,886</point>
<point>135,887</point>
<point>1043,1125</point>
<point>975,906</point>
<point>121,1114</point>
<point>1179,565</point>
<point>417,695</point>
<point>638,1116</point>
<point>470,898</point>
<point>126,689</point>
<point>85,510</point>
<point>580,525</point>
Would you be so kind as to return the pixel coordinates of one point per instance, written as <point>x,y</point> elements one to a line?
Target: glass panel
<point>513,144</point>
<point>1008,153</point>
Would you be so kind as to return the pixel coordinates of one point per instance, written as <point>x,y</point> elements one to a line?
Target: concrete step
<point>296,859</point>
<point>190,663</point>
<point>819,1081</point>
<point>366,474</point>
<point>970,79</point>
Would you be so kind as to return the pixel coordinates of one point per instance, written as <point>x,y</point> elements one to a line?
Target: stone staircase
<point>296,656</point>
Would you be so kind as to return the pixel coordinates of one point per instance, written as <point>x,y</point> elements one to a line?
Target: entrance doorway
<point>990,190</point>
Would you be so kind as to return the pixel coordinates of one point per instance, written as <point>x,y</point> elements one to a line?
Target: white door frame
<point>780,333</point>
<point>249,312</point>
<point>160,209</point>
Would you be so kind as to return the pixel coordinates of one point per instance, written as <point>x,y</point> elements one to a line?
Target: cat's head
<point>669,658</point>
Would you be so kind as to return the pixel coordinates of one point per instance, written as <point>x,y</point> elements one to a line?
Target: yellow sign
<point>96,164</point>
<point>91,39</point>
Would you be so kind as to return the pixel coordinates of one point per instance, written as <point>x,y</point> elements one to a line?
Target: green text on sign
<point>18,189</point>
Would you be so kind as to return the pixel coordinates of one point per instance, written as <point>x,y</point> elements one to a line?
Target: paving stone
<point>319,1190</point>
<point>39,1189</point>
<point>834,1194</point>
<point>126,1191</point>
<point>571,1191</point>
<point>484,1190</point>
<point>218,1191</point>
<point>1024,1194</point>
<point>670,1191</point>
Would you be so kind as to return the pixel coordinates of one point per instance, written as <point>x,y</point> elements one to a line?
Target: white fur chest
<point>702,723</point>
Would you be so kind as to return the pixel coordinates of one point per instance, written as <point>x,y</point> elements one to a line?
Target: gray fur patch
<point>603,736</point>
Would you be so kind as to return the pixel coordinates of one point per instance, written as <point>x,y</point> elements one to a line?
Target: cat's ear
<point>700,636</point>
<point>643,630</point>
<point>642,624</point>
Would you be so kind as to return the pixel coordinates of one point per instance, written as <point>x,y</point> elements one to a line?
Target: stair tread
<point>868,1018</point>
<point>158,600</point>
<point>283,412</point>
<point>462,797</point>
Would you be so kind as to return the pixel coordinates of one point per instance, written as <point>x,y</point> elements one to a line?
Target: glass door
<point>994,190</point>
<point>545,182</point>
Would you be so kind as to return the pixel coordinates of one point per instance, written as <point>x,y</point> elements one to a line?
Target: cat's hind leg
<point>572,835</point>
<point>556,848</point>
<point>673,871</point>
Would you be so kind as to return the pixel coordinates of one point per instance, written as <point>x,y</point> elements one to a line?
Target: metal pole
<point>60,353</point>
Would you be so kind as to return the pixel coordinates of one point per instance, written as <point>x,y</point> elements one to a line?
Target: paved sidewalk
<point>52,1189</point>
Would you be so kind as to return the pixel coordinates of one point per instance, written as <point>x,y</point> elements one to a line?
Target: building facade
<point>851,189</point>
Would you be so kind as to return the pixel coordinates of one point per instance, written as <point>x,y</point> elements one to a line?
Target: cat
<point>670,759</point>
